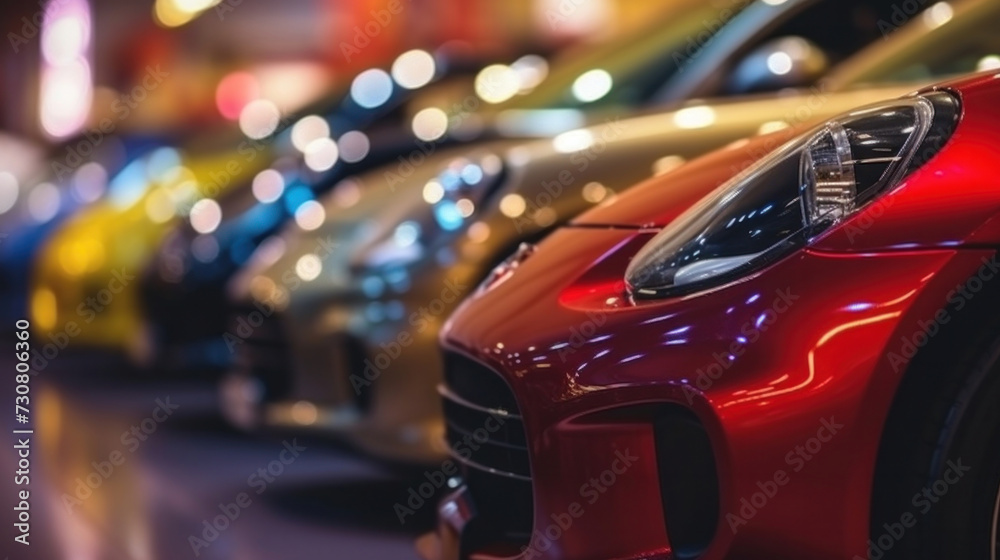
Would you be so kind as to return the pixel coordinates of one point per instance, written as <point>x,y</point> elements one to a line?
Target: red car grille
<point>485,433</point>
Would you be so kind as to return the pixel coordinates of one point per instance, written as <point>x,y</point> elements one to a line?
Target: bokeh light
<point>268,186</point>
<point>322,154</point>
<point>309,129</point>
<point>259,119</point>
<point>371,88</point>
<point>414,69</point>
<point>206,215</point>
<point>234,92</point>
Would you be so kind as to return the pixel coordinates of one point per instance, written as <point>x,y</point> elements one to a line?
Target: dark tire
<point>939,460</point>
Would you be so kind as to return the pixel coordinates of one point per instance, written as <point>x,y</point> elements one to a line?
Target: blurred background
<point>68,62</point>
<point>225,219</point>
<point>120,470</point>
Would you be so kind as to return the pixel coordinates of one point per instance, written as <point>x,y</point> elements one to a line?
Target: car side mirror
<point>786,62</point>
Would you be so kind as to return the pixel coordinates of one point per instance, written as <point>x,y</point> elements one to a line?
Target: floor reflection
<point>140,471</point>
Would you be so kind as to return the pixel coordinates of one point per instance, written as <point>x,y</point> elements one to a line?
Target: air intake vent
<point>689,481</point>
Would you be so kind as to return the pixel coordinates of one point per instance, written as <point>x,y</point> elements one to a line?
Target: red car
<point>801,361</point>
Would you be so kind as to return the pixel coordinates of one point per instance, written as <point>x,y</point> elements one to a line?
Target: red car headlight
<point>793,194</point>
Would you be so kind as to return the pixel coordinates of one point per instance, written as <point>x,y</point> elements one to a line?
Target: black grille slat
<point>499,452</point>
<point>487,436</point>
<point>508,428</point>
<point>461,432</point>
<point>485,388</point>
<point>484,431</point>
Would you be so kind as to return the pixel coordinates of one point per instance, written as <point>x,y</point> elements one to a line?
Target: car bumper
<point>793,414</point>
<point>344,365</point>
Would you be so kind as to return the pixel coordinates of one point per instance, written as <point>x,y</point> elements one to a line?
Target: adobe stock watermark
<point>79,152</point>
<point>582,334</point>
<point>902,13</point>
<point>229,512</point>
<point>709,29</point>
<point>957,299</point>
<point>32,26</point>
<point>247,152</point>
<point>870,214</point>
<point>589,145</point>
<point>802,114</point>
<point>544,538</point>
<point>922,502</point>
<point>564,12</point>
<point>586,331</point>
<point>419,496</point>
<point>245,325</point>
<point>131,440</point>
<point>795,460</point>
<point>88,310</point>
<point>420,320</point>
<point>406,165</point>
<point>750,332</point>
<point>460,113</point>
<point>365,34</point>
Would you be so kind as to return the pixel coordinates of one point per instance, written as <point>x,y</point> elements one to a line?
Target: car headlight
<point>794,194</point>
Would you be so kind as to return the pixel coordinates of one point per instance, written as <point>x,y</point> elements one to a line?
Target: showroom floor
<point>151,490</point>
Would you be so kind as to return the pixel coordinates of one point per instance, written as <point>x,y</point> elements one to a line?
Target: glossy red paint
<point>791,370</point>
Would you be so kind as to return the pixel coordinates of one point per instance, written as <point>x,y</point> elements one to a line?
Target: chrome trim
<point>484,468</point>
<point>465,432</point>
<point>448,394</point>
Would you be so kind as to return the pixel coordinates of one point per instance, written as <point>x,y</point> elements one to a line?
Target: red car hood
<point>656,202</point>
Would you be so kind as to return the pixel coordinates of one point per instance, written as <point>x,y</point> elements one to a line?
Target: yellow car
<point>85,279</point>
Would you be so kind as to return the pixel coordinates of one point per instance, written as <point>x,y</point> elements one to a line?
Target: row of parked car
<point>785,348</point>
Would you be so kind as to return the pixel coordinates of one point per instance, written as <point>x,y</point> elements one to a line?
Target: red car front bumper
<point>790,374</point>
